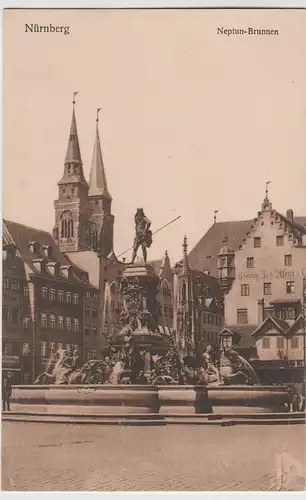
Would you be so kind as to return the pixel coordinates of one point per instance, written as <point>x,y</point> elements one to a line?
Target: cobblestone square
<point>67,457</point>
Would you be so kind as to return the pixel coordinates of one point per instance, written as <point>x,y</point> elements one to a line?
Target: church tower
<point>69,229</point>
<point>99,231</point>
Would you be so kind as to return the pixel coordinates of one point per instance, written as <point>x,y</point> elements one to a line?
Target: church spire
<point>97,179</point>
<point>73,154</point>
<point>73,172</point>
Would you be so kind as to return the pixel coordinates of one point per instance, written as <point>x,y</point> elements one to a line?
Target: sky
<point>191,121</point>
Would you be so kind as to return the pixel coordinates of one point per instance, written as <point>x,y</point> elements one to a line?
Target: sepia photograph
<point>154,250</point>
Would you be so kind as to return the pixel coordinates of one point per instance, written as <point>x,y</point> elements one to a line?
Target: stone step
<point>119,420</point>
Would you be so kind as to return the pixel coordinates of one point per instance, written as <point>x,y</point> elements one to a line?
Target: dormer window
<point>47,249</point>
<point>66,271</point>
<point>53,268</point>
<point>33,246</point>
<point>38,265</point>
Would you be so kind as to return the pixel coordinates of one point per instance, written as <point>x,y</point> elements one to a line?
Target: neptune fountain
<point>141,370</point>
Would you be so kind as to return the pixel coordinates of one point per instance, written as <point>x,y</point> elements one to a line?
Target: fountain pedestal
<point>139,330</point>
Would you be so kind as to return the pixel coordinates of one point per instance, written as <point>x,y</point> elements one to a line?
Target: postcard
<point>154,250</point>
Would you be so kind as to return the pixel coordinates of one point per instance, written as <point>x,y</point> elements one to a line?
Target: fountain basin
<point>241,399</point>
<point>125,399</point>
<point>183,399</point>
<point>166,400</point>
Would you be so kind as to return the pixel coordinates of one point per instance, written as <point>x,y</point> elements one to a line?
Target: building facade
<point>45,302</point>
<point>264,283</point>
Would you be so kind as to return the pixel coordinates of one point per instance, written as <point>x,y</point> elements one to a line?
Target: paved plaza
<point>71,457</point>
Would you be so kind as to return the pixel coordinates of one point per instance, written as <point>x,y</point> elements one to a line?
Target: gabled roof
<point>242,335</point>
<point>204,254</point>
<point>298,323</point>
<point>22,235</point>
<point>280,324</point>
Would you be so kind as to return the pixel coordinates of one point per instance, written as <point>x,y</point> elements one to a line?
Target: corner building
<point>264,298</point>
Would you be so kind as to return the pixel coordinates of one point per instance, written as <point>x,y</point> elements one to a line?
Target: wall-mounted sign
<point>269,275</point>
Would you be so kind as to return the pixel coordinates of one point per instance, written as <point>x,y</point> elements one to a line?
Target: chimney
<point>261,311</point>
<point>289,214</point>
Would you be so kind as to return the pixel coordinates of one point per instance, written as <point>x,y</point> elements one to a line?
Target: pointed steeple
<point>73,172</point>
<point>185,257</point>
<point>97,179</point>
<point>73,154</point>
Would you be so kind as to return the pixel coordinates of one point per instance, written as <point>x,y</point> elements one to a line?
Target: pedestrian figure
<point>295,401</point>
<point>6,392</point>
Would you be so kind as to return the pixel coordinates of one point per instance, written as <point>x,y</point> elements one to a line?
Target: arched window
<point>66,224</point>
<point>93,235</point>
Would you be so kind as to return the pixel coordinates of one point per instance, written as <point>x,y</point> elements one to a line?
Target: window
<point>76,325</point>
<point>291,313</point>
<point>52,322</point>
<point>6,348</point>
<point>52,294</point>
<point>43,349</point>
<point>245,290</point>
<point>26,349</point>
<point>60,346</point>
<point>94,352</point>
<point>267,288</point>
<point>280,342</point>
<point>295,342</point>
<point>87,329</point>
<point>279,241</point>
<point>75,298</point>
<point>112,305</point>
<point>94,331</point>
<point>290,286</point>
<point>68,323</point>
<point>242,316</point>
<point>226,341</point>
<point>15,284</point>
<point>60,322</point>
<point>52,347</point>
<point>15,315</point>
<point>257,242</point>
<point>68,297</point>
<point>43,320</point>
<point>66,225</point>
<point>250,262</point>
<point>87,352</point>
<point>26,321</point>
<point>6,283</point>
<point>88,295</point>
<point>44,292</point>
<point>26,291</point>
<point>266,343</point>
<point>5,313</point>
<point>288,260</point>
<point>60,295</point>
<point>87,312</point>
